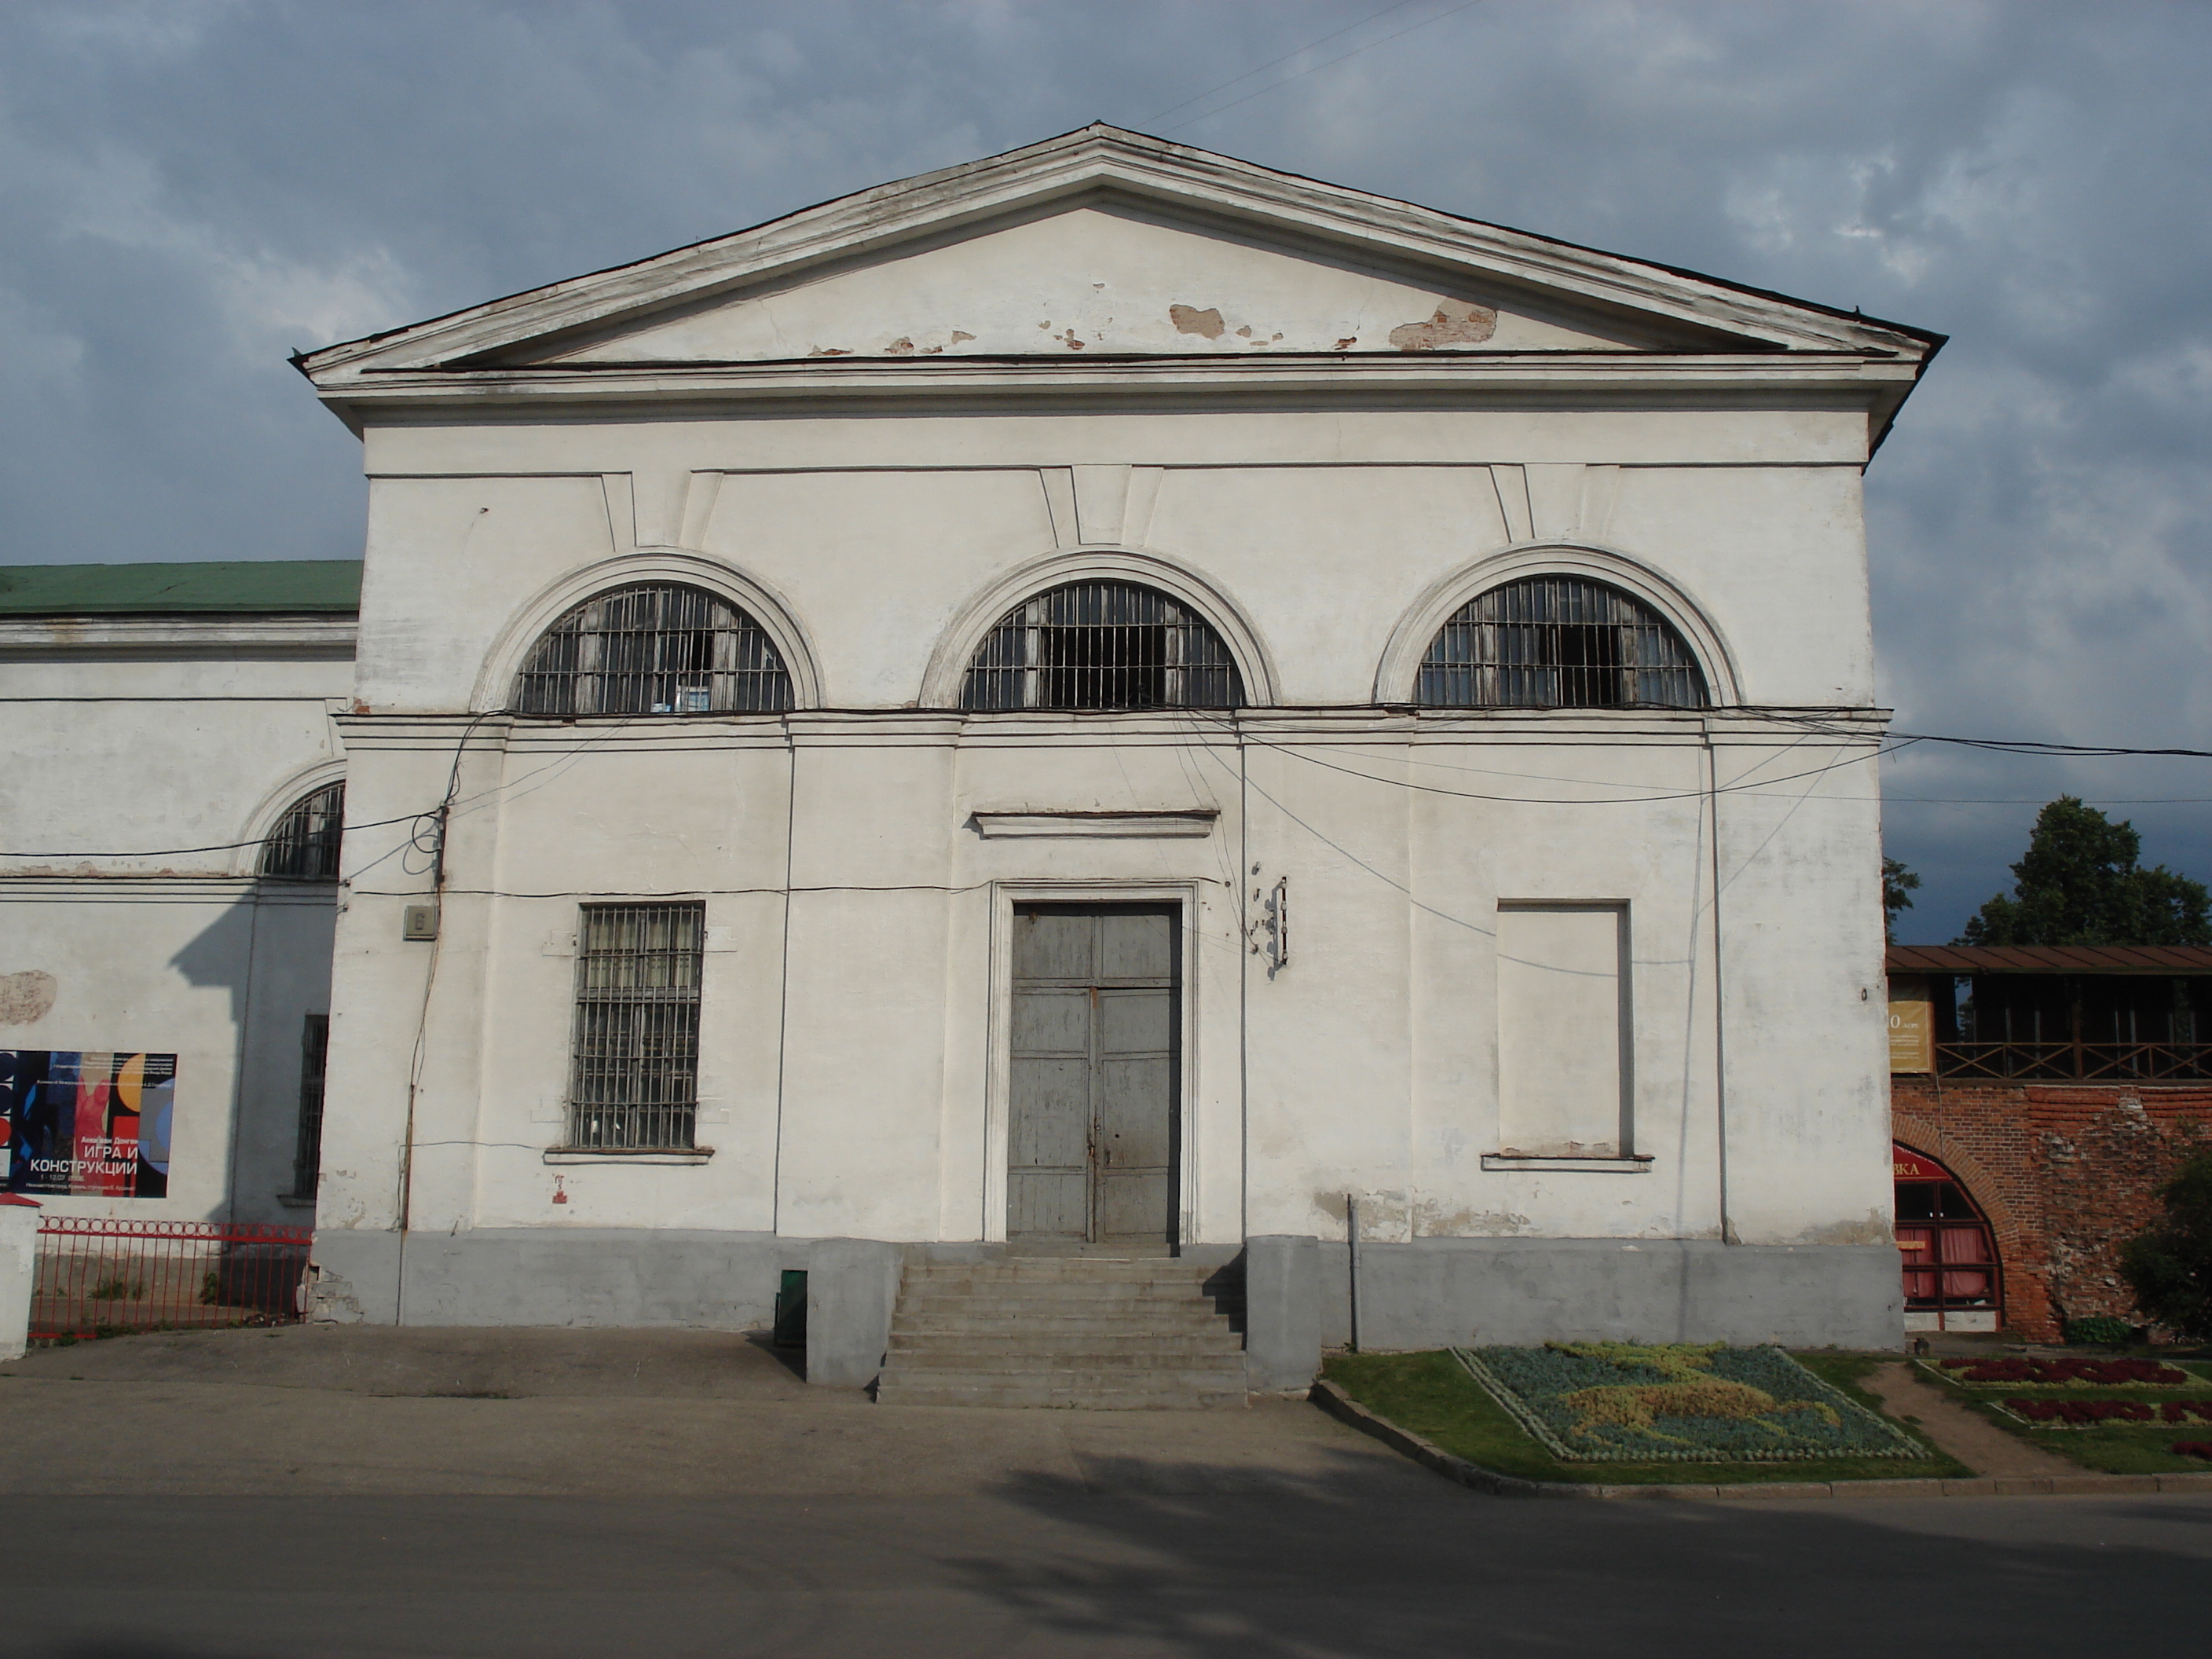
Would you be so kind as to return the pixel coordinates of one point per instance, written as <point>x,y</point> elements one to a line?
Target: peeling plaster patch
<point>961,334</point>
<point>26,998</point>
<point>1432,1220</point>
<point>1205,324</point>
<point>1874,1228</point>
<point>1347,342</point>
<point>1456,322</point>
<point>901,347</point>
<point>829,351</point>
<point>1245,332</point>
<point>1069,340</point>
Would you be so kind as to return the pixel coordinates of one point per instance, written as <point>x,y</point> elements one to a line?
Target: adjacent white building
<point>172,778</point>
<point>1111,699</point>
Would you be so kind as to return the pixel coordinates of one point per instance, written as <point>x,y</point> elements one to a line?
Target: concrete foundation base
<point>1428,1294</point>
<point>534,1276</point>
<point>1437,1292</point>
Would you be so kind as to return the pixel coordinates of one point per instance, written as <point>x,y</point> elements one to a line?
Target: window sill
<point>612,1155</point>
<point>1631,1165</point>
<point>293,1201</point>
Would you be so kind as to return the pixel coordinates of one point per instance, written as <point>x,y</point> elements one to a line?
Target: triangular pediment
<point>1106,243</point>
<point>1116,277</point>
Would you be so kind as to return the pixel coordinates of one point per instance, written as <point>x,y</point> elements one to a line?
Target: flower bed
<point>2091,1413</point>
<point>1679,1403</point>
<point>2068,1373</point>
<point>2192,1448</point>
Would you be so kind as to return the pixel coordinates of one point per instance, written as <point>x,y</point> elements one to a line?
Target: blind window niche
<point>1564,1071</point>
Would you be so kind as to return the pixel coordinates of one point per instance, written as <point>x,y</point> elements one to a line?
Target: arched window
<point>304,845</point>
<point>1101,644</point>
<point>1558,642</point>
<point>653,648</point>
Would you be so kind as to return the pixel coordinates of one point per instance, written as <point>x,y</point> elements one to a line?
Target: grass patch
<point>1432,1394</point>
<point>2109,1448</point>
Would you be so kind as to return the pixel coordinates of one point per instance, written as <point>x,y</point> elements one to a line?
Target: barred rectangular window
<point>307,1143</point>
<point>634,1085</point>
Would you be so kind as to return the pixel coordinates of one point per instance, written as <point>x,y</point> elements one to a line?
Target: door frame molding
<point>998,1071</point>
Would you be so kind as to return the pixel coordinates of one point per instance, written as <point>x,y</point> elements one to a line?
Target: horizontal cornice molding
<point>1696,379</point>
<point>1185,822</point>
<point>1349,724</point>
<point>325,636</point>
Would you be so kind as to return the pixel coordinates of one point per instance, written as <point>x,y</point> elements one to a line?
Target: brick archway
<point>2020,1245</point>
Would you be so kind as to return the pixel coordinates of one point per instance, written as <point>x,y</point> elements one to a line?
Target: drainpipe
<point>1351,1236</point>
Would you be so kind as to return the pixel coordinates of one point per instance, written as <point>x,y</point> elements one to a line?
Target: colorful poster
<point>82,1124</point>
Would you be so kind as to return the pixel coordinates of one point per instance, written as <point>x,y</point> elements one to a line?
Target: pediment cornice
<point>468,352</point>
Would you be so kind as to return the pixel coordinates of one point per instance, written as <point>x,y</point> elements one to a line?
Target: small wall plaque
<point>419,922</point>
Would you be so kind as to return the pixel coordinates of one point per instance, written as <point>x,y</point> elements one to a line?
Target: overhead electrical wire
<point>218,846</point>
<point>1829,725</point>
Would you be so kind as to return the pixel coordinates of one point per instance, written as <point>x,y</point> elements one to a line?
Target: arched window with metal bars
<point>304,845</point>
<point>1558,642</point>
<point>1103,644</point>
<point>653,648</point>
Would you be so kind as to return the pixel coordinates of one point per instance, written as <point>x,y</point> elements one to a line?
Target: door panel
<point>1042,1204</point>
<point>1054,945</point>
<point>1136,1022</point>
<point>1049,1126</point>
<point>1097,1074</point>
<point>1136,945</point>
<point>1051,1022</point>
<point>1136,1208</point>
<point>1133,1129</point>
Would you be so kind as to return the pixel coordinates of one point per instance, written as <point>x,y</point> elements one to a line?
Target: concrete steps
<point>1146,1334</point>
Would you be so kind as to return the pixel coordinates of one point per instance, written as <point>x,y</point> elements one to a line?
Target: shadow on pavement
<point>1150,1558</point>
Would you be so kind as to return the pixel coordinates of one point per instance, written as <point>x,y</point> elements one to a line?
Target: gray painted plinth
<point>1437,1292</point>
<point>1283,1311</point>
<point>1434,1292</point>
<point>546,1276</point>
<point>851,1290</point>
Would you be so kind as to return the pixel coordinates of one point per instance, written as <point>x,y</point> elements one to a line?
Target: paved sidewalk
<point>1981,1446</point>
<point>380,1494</point>
<point>376,1410</point>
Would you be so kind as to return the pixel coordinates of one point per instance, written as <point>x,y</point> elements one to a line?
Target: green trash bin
<point>790,1329</point>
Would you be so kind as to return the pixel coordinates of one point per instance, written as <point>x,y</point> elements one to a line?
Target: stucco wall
<point>189,738</point>
<point>848,1053</point>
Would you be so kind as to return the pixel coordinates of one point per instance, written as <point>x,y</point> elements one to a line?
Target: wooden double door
<point>1094,1112</point>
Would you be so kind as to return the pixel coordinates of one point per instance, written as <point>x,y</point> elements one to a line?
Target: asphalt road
<point>361,1506</point>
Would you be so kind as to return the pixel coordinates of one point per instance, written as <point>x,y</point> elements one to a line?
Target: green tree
<point>2079,884</point>
<point>2170,1265</point>
<point>1897,885</point>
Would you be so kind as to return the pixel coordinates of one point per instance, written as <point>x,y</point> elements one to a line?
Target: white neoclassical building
<point>1109,699</point>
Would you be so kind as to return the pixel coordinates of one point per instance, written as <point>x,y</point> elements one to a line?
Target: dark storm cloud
<point>191,190</point>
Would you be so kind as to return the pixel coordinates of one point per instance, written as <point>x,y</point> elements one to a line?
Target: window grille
<point>635,1081</point>
<point>308,1150</point>
<point>1558,642</point>
<point>304,845</point>
<point>1102,645</point>
<point>653,648</point>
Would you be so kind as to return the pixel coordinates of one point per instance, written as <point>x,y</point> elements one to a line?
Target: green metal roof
<point>236,585</point>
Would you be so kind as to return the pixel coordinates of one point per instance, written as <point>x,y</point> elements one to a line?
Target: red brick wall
<point>2065,1173</point>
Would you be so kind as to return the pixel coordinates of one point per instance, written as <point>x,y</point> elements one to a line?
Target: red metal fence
<point>103,1278</point>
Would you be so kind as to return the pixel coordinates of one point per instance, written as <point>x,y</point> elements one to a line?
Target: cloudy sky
<point>190,189</point>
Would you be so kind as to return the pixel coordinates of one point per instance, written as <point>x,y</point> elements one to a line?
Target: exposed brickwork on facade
<point>2065,1173</point>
